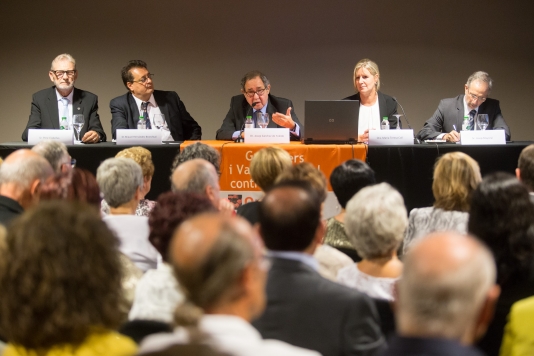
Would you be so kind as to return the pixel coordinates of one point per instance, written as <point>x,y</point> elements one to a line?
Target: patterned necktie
<point>144,109</point>
<point>472,119</point>
<point>65,113</point>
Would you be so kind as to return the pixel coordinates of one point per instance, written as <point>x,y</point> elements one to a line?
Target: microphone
<point>405,118</point>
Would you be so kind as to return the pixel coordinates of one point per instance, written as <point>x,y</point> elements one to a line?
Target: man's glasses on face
<point>476,97</point>
<point>144,79</point>
<point>61,73</point>
<point>251,93</point>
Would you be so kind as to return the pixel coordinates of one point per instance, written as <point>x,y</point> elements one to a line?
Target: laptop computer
<point>330,121</point>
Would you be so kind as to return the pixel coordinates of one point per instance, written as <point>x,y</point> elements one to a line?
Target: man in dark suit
<point>448,118</point>
<point>445,298</point>
<point>303,308</point>
<point>256,97</point>
<point>64,100</point>
<point>143,100</point>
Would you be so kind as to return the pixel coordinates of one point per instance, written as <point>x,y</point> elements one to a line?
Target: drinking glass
<point>482,121</point>
<point>263,120</point>
<point>398,121</point>
<point>159,121</point>
<point>77,122</point>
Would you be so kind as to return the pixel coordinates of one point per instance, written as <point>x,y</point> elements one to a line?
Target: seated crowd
<point>91,267</point>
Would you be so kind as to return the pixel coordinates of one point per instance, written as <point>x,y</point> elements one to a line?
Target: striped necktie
<point>144,109</point>
<point>472,119</point>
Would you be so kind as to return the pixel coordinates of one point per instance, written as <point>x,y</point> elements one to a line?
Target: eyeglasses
<point>260,92</point>
<point>60,73</point>
<point>144,79</point>
<point>476,97</point>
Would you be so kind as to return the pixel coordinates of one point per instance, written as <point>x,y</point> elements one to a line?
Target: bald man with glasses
<point>63,100</point>
<point>446,122</point>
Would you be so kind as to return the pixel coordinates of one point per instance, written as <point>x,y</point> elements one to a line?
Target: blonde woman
<point>456,176</point>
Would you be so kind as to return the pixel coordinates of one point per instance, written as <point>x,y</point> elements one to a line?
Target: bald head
<point>197,176</point>
<point>446,281</point>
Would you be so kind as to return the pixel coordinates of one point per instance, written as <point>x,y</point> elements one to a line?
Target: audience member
<point>60,284</point>
<point>518,338</point>
<point>265,167</point>
<point>303,308</point>
<point>143,157</point>
<point>525,169</point>
<point>200,177</point>
<point>56,154</point>
<point>330,260</point>
<point>456,176</point>
<point>198,150</point>
<point>502,216</point>
<point>22,175</point>
<point>445,297</point>
<point>218,262</point>
<point>121,183</point>
<point>375,222</point>
<point>346,180</point>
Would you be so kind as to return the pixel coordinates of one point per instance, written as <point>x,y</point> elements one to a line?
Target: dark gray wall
<point>425,50</point>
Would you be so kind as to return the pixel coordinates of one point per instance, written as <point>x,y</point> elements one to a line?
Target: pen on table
<point>454,127</point>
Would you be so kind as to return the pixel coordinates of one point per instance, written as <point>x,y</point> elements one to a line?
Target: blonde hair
<point>371,66</point>
<point>267,164</point>
<point>142,157</point>
<point>456,176</point>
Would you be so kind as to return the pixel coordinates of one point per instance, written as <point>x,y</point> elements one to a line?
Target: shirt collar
<point>70,96</point>
<point>263,109</point>
<point>151,101</point>
<point>467,110</point>
<point>296,256</point>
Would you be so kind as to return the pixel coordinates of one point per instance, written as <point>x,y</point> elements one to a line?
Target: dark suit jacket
<point>412,346</point>
<point>451,112</point>
<point>125,115</point>
<point>239,108</point>
<point>387,106</point>
<point>9,210</point>
<point>307,310</point>
<point>45,115</point>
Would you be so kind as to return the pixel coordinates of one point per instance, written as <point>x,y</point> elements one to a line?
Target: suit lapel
<point>52,108</point>
<point>460,112</point>
<point>134,110</point>
<point>271,110</point>
<point>77,104</point>
<point>382,105</point>
<point>163,107</point>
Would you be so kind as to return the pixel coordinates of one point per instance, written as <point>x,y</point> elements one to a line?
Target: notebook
<point>330,121</point>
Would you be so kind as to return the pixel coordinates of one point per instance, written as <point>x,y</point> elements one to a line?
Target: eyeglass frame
<point>144,79</point>
<point>251,94</point>
<point>476,97</point>
<point>70,73</point>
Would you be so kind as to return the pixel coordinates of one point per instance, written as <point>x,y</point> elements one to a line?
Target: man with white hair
<point>63,100</point>
<point>446,297</point>
<point>22,175</point>
<point>56,154</point>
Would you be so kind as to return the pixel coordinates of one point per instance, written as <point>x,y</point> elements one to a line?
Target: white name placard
<point>37,135</point>
<point>483,137</point>
<point>138,137</point>
<point>390,137</point>
<point>268,135</point>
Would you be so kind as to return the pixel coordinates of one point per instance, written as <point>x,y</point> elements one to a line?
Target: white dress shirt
<point>61,108</point>
<point>153,109</point>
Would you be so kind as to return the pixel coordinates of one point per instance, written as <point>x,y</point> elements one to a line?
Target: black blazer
<point>45,115</point>
<point>307,310</point>
<point>125,114</point>
<point>451,112</point>
<point>386,105</point>
<point>239,108</point>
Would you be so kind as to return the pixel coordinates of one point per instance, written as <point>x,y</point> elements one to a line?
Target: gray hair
<point>480,76</point>
<point>198,150</point>
<point>197,180</point>
<point>54,152</point>
<point>375,221</point>
<point>63,57</point>
<point>23,172</point>
<point>119,179</point>
<point>253,74</point>
<point>444,304</point>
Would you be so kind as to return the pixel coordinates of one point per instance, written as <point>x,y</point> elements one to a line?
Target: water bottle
<point>141,124</point>
<point>249,124</point>
<point>465,124</point>
<point>64,124</point>
<point>385,123</point>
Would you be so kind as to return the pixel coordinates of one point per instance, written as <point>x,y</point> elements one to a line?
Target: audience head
<point>375,221</point>
<point>502,216</point>
<point>456,176</point>
<point>142,157</point>
<point>120,181</point>
<point>22,175</point>
<point>267,164</point>
<point>447,289</point>
<point>290,217</point>
<point>78,185</point>
<point>61,266</point>
<point>525,167</point>
<point>218,262</point>
<point>171,210</point>
<point>306,172</point>
<point>197,176</point>
<point>198,150</point>
<point>348,178</point>
<point>56,154</point>
<point>371,67</point>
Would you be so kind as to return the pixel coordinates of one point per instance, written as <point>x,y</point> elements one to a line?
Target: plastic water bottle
<point>249,124</point>
<point>64,124</point>
<point>385,123</point>
<point>141,124</point>
<point>465,124</point>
